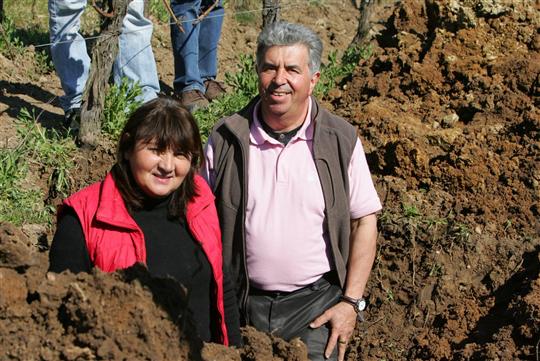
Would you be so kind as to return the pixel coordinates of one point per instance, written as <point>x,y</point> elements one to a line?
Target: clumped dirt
<point>447,108</point>
<point>85,316</point>
<point>127,315</point>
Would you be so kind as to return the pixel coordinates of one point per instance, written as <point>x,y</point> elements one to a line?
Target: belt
<point>328,277</point>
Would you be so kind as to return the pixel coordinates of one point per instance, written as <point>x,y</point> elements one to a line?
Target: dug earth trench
<point>447,109</point>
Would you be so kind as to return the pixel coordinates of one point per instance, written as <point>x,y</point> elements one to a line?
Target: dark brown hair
<point>170,126</point>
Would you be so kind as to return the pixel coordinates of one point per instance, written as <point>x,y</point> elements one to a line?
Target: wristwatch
<point>358,304</point>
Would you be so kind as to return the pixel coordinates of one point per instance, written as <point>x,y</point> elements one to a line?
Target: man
<point>195,51</point>
<point>296,201</point>
<point>135,59</point>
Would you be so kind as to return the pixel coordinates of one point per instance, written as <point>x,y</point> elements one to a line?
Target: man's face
<point>285,82</point>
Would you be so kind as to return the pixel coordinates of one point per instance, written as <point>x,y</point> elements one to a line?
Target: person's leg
<point>289,315</point>
<point>186,46</point>
<point>307,305</point>
<point>259,310</point>
<point>209,36</point>
<point>316,340</point>
<point>135,59</point>
<point>209,39</point>
<point>68,50</point>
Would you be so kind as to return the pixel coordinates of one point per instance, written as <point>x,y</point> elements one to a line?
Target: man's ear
<point>314,80</point>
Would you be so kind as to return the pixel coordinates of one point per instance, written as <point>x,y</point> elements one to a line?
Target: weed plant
<point>242,85</point>
<point>246,11</point>
<point>48,149</point>
<point>14,43</point>
<point>21,205</point>
<point>244,81</point>
<point>335,70</point>
<point>158,10</point>
<point>245,17</point>
<point>40,150</point>
<point>10,44</point>
<point>120,102</point>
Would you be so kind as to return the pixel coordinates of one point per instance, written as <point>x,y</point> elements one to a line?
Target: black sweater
<point>171,251</point>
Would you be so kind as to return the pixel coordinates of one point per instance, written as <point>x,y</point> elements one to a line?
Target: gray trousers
<point>288,314</point>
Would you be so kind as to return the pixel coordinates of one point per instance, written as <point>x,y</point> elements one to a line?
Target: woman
<point>154,208</point>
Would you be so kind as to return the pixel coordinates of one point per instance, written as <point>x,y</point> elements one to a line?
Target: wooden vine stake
<point>103,54</point>
<point>366,7</point>
<point>270,12</point>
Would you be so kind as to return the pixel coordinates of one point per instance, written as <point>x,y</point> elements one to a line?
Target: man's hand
<point>342,320</point>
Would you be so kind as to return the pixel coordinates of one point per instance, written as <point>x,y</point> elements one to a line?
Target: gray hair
<point>282,33</point>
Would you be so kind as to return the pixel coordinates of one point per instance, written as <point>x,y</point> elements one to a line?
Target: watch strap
<point>352,301</point>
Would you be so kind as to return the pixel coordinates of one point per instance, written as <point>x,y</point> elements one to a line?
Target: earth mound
<point>126,315</point>
<point>447,107</point>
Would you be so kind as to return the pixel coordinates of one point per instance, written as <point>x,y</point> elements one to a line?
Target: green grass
<point>24,206</point>
<point>15,42</point>
<point>10,44</point>
<point>245,17</point>
<point>436,270</point>
<point>410,211</point>
<point>460,234</point>
<point>242,85</point>
<point>39,150</point>
<point>157,10</point>
<point>435,223</point>
<point>120,102</point>
<point>48,149</point>
<point>27,12</point>
<point>335,70</point>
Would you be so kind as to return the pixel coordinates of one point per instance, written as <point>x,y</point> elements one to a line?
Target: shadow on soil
<point>519,285</point>
<point>10,97</point>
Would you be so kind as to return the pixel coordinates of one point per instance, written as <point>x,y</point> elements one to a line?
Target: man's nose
<point>280,77</point>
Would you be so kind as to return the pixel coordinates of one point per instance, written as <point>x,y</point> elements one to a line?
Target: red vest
<point>115,241</point>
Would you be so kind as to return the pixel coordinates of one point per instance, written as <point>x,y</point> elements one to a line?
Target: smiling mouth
<point>278,94</point>
<point>162,177</point>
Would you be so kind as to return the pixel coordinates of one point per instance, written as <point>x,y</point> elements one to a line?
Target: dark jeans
<point>288,314</point>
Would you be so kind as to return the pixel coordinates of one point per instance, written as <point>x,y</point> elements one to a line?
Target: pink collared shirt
<point>287,246</point>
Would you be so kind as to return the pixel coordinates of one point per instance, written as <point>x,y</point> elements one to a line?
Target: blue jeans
<point>135,58</point>
<point>195,50</point>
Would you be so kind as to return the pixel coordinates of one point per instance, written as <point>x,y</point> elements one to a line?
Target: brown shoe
<point>214,89</point>
<point>193,100</point>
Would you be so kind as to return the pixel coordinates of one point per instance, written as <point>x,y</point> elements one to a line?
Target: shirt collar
<point>258,136</point>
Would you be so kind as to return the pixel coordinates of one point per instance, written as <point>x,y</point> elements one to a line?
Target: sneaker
<point>72,120</point>
<point>193,100</point>
<point>214,89</point>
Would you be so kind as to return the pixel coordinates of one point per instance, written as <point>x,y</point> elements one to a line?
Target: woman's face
<point>158,174</point>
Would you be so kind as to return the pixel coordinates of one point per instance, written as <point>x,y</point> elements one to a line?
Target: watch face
<point>361,304</point>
